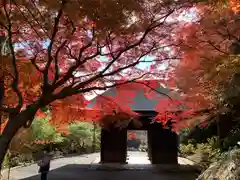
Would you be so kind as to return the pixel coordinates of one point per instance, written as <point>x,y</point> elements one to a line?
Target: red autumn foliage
<point>132,136</point>
<point>208,56</point>
<point>234,5</point>
<point>57,52</point>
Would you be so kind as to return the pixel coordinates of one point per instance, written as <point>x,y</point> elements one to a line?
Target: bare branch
<point>101,74</point>
<point>229,34</point>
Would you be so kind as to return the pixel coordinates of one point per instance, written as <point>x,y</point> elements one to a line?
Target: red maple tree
<point>54,53</point>
<point>209,56</point>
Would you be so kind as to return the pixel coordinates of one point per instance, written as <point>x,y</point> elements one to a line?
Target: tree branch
<point>49,50</point>
<point>152,26</point>
<point>26,19</point>
<point>101,73</point>
<point>33,61</point>
<point>80,88</point>
<point>35,19</point>
<point>159,92</point>
<point>130,65</point>
<point>78,62</point>
<point>14,61</point>
<point>56,76</point>
<point>71,91</point>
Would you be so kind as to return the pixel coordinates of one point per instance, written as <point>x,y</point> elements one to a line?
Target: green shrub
<point>79,140</point>
<point>143,147</point>
<point>202,153</point>
<point>80,137</point>
<point>187,150</point>
<point>208,154</point>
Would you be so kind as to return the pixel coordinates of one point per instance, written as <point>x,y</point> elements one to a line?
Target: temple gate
<point>162,143</point>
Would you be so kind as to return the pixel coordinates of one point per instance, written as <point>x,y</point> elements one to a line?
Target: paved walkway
<point>86,167</point>
<point>135,157</point>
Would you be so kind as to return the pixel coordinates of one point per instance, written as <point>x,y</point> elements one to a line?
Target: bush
<point>208,154</point>
<point>187,150</point>
<point>143,147</point>
<point>80,137</point>
<point>202,153</point>
<point>24,148</point>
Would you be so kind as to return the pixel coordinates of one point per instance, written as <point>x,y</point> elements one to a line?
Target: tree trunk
<point>13,125</point>
<point>5,139</point>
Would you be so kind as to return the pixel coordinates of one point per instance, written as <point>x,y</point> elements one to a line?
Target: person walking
<point>44,165</point>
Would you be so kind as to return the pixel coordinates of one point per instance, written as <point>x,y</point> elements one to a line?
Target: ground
<point>87,167</point>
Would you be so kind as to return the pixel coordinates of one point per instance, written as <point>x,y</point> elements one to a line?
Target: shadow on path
<point>118,172</point>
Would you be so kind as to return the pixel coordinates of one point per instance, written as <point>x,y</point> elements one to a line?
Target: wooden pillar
<point>164,145</point>
<point>113,146</point>
<point>149,137</point>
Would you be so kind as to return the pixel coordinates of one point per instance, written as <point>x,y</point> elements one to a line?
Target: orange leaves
<point>132,136</point>
<point>234,5</point>
<point>75,47</point>
<point>29,81</point>
<point>204,68</point>
<point>69,109</point>
<point>205,47</point>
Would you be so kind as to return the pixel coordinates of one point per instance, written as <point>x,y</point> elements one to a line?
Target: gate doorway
<point>162,144</point>
<point>137,147</point>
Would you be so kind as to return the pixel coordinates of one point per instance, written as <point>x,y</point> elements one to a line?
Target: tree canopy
<point>209,66</point>
<point>55,53</point>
